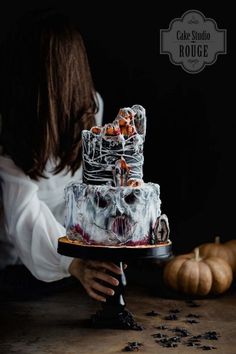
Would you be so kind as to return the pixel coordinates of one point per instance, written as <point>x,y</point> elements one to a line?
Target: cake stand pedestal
<point>113,313</point>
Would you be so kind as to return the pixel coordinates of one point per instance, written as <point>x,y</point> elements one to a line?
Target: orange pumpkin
<point>194,275</point>
<point>218,249</point>
<point>231,245</point>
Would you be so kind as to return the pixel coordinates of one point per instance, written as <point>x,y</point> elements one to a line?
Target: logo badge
<point>193,41</point>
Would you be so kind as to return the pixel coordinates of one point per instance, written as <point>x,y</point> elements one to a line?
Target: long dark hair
<point>47,95</point>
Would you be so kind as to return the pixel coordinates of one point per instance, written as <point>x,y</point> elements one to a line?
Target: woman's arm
<point>31,225</point>
<point>34,231</point>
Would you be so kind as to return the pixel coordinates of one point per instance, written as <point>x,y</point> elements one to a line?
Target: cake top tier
<point>113,153</point>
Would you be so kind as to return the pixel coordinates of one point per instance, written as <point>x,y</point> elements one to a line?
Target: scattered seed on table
<point>193,341</point>
<point>132,347</point>
<point>174,311</point>
<point>152,313</point>
<point>207,347</point>
<point>193,315</point>
<point>162,327</point>
<point>170,342</point>
<point>182,332</point>
<point>171,317</point>
<point>192,303</point>
<point>212,335</point>
<point>193,344</point>
<point>192,321</point>
<point>199,336</point>
<point>159,335</point>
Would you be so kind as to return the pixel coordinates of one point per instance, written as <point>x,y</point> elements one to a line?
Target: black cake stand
<point>113,313</point>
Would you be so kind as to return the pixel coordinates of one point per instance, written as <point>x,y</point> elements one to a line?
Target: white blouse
<point>32,218</point>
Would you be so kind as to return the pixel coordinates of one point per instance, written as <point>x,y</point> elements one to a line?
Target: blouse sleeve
<point>31,226</point>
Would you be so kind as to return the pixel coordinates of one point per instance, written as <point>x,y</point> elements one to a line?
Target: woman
<point>47,98</point>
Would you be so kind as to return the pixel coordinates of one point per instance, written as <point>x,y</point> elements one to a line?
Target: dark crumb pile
<point>123,320</point>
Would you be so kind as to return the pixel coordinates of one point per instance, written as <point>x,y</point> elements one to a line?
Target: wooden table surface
<point>56,324</point>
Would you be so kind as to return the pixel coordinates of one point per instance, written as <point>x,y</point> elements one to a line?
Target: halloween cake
<point>113,206</point>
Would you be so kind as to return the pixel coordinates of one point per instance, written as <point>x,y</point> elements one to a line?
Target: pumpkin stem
<point>196,254</point>
<point>217,239</point>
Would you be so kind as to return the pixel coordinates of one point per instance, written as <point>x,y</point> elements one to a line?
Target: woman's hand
<point>92,273</point>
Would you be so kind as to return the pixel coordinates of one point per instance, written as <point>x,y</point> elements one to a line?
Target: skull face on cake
<point>113,206</point>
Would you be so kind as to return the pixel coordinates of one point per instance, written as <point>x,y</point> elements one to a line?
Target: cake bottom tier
<point>113,216</point>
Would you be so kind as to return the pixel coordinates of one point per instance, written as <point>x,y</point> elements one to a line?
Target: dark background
<point>190,143</point>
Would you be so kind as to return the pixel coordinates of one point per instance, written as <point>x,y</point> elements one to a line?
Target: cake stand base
<point>113,313</point>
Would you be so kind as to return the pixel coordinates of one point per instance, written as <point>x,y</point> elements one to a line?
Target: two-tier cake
<point>114,206</point>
